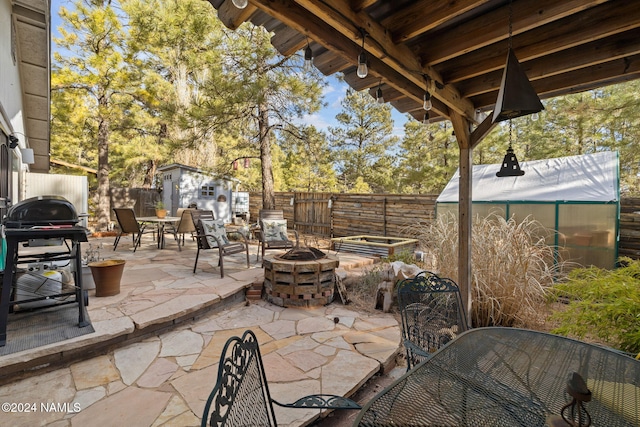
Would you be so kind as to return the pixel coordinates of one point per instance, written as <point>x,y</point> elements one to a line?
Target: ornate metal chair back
<point>241,396</point>
<point>432,314</point>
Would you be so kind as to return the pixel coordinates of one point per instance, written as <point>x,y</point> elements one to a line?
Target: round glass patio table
<point>508,377</point>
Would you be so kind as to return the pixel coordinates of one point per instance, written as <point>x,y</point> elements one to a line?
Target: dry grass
<point>512,266</point>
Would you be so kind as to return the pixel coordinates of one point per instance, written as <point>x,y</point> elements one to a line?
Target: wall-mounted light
<point>240,4</point>
<point>292,201</point>
<point>13,141</point>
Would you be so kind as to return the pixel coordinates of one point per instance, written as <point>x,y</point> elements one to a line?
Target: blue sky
<point>333,93</point>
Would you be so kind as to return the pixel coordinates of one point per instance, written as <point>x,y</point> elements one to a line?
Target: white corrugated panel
<point>584,178</point>
<point>74,188</point>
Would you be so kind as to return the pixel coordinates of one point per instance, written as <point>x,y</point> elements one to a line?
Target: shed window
<point>207,191</point>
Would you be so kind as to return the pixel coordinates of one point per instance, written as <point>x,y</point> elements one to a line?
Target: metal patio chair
<point>241,395</point>
<point>211,234</point>
<point>185,226</point>
<point>128,223</point>
<point>431,312</point>
<point>272,232</point>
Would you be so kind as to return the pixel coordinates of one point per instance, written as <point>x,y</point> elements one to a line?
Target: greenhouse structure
<point>578,197</point>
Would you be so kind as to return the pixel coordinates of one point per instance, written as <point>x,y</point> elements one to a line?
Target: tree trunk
<point>104,199</point>
<point>268,193</point>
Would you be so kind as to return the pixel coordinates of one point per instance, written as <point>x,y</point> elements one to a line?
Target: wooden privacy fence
<point>370,214</point>
<point>339,215</point>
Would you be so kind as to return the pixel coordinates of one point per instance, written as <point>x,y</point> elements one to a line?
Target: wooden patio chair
<point>211,234</point>
<point>272,232</point>
<point>431,312</point>
<point>127,223</point>
<point>241,395</point>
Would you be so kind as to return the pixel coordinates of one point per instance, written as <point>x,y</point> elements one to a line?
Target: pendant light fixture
<point>308,58</point>
<point>426,103</point>
<point>426,99</point>
<point>240,4</point>
<point>510,165</point>
<point>362,70</point>
<point>379,97</point>
<point>516,96</point>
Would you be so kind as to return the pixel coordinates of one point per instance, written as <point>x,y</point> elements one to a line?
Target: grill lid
<point>40,211</point>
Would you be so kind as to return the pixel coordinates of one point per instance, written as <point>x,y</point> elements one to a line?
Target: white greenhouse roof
<point>584,178</point>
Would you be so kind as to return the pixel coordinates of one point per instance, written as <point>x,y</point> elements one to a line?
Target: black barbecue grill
<point>41,211</point>
<point>40,219</point>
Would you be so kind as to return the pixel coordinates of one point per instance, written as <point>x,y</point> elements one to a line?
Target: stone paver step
<point>171,326</point>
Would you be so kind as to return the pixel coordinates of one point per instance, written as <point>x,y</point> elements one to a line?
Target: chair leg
<point>221,264</point>
<point>115,243</point>
<point>196,263</point>
<point>136,242</point>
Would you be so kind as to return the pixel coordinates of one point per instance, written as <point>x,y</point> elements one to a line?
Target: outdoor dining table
<point>161,222</point>
<point>510,377</point>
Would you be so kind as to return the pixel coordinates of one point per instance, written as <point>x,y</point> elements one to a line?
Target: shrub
<point>603,304</point>
<point>512,266</point>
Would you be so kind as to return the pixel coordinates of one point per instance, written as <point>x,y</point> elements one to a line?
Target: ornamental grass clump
<point>512,266</point>
<point>603,305</point>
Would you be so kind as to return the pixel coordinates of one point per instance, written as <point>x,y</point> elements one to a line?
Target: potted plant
<point>161,212</point>
<point>91,254</point>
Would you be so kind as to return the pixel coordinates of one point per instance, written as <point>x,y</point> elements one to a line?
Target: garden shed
<point>577,196</point>
<point>183,186</point>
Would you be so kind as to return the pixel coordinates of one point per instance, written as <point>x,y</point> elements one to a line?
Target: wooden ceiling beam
<point>378,43</point>
<point>288,41</point>
<point>329,63</point>
<point>594,24</point>
<point>493,27</point>
<point>305,22</point>
<point>597,52</point>
<point>613,72</point>
<point>425,15</point>
<point>359,5</point>
<point>231,16</point>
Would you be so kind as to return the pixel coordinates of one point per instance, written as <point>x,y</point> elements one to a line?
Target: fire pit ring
<point>299,281</point>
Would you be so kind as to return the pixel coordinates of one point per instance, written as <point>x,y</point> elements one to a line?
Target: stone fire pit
<point>302,277</point>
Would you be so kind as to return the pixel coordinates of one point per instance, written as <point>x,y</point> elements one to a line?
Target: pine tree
<point>363,143</point>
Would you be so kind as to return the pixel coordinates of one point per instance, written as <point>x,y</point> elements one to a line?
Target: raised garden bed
<point>374,245</point>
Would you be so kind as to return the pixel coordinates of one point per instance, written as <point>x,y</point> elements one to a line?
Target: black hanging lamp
<point>516,96</point>
<point>510,165</point>
<point>379,96</point>
<point>308,58</point>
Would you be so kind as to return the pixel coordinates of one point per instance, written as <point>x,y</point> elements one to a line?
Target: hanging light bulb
<point>308,58</point>
<point>362,65</point>
<point>427,104</point>
<point>240,4</point>
<point>362,70</point>
<point>534,117</point>
<point>379,96</point>
<point>425,120</point>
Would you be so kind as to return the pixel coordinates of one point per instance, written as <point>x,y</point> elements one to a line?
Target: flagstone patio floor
<point>153,358</point>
